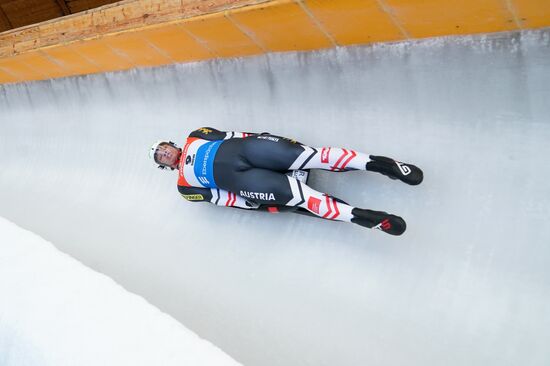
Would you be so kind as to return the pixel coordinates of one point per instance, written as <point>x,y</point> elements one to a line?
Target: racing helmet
<point>154,149</point>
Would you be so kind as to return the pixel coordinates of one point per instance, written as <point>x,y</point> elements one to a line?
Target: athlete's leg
<point>265,186</point>
<point>332,208</point>
<point>340,160</point>
<point>282,154</point>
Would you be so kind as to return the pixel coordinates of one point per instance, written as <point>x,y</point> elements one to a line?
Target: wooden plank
<point>41,65</point>
<point>99,53</point>
<point>138,51</point>
<point>5,23</point>
<point>281,26</point>
<point>71,62</point>
<point>174,42</point>
<point>123,16</point>
<point>354,21</point>
<point>24,12</point>
<point>82,5</point>
<point>431,18</point>
<point>22,40</point>
<point>18,69</point>
<point>221,36</point>
<point>531,13</point>
<point>63,6</point>
<point>7,77</point>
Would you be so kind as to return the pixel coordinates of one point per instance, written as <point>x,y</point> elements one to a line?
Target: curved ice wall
<point>57,312</point>
<point>468,283</point>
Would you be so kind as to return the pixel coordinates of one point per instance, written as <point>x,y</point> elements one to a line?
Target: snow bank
<point>56,311</point>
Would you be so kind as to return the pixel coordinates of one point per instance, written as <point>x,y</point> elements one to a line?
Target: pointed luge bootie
<point>388,223</point>
<point>405,172</point>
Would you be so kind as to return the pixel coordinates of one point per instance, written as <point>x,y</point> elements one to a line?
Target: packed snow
<point>56,311</point>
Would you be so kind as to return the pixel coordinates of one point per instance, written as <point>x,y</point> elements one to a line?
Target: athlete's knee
<point>324,205</point>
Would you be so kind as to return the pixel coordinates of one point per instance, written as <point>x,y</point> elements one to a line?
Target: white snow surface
<point>56,311</point>
<point>467,284</point>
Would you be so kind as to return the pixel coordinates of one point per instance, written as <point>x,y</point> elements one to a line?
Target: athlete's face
<point>167,155</point>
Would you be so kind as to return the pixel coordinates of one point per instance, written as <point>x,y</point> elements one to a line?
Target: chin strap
<point>162,167</point>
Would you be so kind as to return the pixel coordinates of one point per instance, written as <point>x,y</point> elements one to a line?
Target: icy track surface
<point>467,284</point>
<point>56,312</point>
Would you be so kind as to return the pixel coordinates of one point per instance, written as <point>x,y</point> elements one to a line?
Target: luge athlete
<point>265,172</point>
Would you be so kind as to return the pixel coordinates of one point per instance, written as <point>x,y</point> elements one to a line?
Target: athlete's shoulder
<point>208,133</point>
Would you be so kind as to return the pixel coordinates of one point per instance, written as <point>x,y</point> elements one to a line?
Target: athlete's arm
<point>211,134</point>
<point>216,196</point>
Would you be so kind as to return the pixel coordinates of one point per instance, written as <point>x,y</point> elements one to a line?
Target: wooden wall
<point>141,33</point>
<point>18,13</point>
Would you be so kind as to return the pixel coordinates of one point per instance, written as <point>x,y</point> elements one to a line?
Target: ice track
<point>467,284</point>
